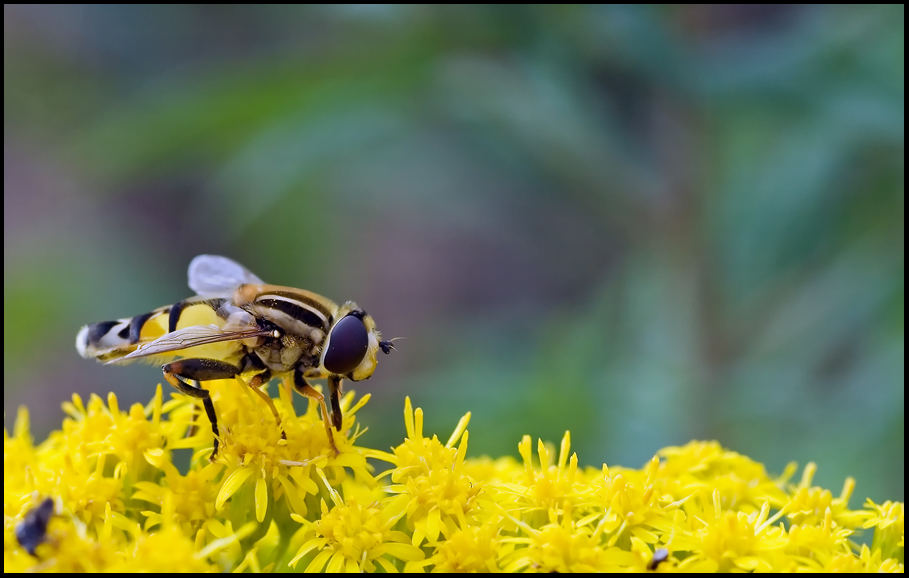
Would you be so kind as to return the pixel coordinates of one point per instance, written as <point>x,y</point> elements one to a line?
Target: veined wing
<point>192,337</point>
<point>217,276</point>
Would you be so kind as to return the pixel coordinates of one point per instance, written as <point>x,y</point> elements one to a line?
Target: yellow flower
<point>354,535</point>
<point>120,546</point>
<point>889,523</point>
<point>814,547</point>
<point>469,549</point>
<point>565,546</point>
<point>68,547</point>
<point>270,502</point>
<point>162,551</point>
<point>809,503</point>
<point>433,490</point>
<point>185,499</point>
<point>96,431</point>
<point>18,457</point>
<point>553,489</point>
<point>730,540</point>
<point>263,468</point>
<point>628,504</point>
<point>703,467</point>
<point>868,560</point>
<point>96,455</point>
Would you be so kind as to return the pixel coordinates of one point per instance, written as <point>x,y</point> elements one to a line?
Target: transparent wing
<point>217,276</point>
<point>191,337</point>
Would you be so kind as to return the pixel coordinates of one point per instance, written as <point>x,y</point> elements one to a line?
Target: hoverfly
<point>237,326</point>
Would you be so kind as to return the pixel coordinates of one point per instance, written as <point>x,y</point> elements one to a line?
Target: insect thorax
<point>287,352</point>
<point>303,326</point>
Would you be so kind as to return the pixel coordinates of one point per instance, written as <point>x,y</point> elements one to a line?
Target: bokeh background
<point>643,224</point>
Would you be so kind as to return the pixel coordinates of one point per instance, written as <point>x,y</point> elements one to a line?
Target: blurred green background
<point>643,224</point>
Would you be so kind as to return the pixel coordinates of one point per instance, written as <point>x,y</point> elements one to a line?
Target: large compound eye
<point>347,345</point>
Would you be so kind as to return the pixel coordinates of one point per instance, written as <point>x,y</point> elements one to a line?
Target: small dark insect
<point>659,555</point>
<point>32,530</point>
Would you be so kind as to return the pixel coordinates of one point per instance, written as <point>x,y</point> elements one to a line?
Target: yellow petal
<point>261,499</point>
<point>387,565</point>
<point>21,429</point>
<point>359,404</point>
<point>408,417</point>
<point>461,453</point>
<point>306,548</point>
<point>230,486</point>
<point>294,498</point>
<point>524,448</point>
<point>349,460</point>
<point>418,423</point>
<point>433,524</point>
<point>336,564</point>
<point>543,452</point>
<point>402,551</point>
<point>458,430</point>
<point>156,457</point>
<point>564,449</point>
<point>319,561</point>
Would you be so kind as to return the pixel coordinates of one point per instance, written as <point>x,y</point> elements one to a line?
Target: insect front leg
<point>334,386</point>
<point>303,387</point>
<point>200,370</point>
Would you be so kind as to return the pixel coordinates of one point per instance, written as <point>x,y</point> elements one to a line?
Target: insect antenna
<point>388,345</point>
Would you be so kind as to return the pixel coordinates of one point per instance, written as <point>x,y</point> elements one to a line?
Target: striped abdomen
<point>111,340</point>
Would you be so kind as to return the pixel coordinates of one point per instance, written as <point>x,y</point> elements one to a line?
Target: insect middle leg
<point>200,370</point>
<point>303,387</point>
<point>254,384</point>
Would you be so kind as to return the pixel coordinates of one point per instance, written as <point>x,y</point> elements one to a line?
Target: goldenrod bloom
<point>123,501</point>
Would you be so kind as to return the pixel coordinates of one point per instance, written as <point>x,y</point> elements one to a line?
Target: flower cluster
<point>273,502</point>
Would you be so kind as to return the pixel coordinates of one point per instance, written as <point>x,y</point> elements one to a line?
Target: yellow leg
<point>309,391</point>
<point>254,384</point>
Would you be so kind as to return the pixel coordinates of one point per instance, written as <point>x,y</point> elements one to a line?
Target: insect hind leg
<point>177,372</point>
<point>194,420</point>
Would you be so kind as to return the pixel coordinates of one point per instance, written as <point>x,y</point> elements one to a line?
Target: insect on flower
<point>660,555</point>
<point>32,530</point>
<point>237,326</point>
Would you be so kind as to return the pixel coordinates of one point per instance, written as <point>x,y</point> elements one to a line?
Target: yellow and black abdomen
<point>110,341</point>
